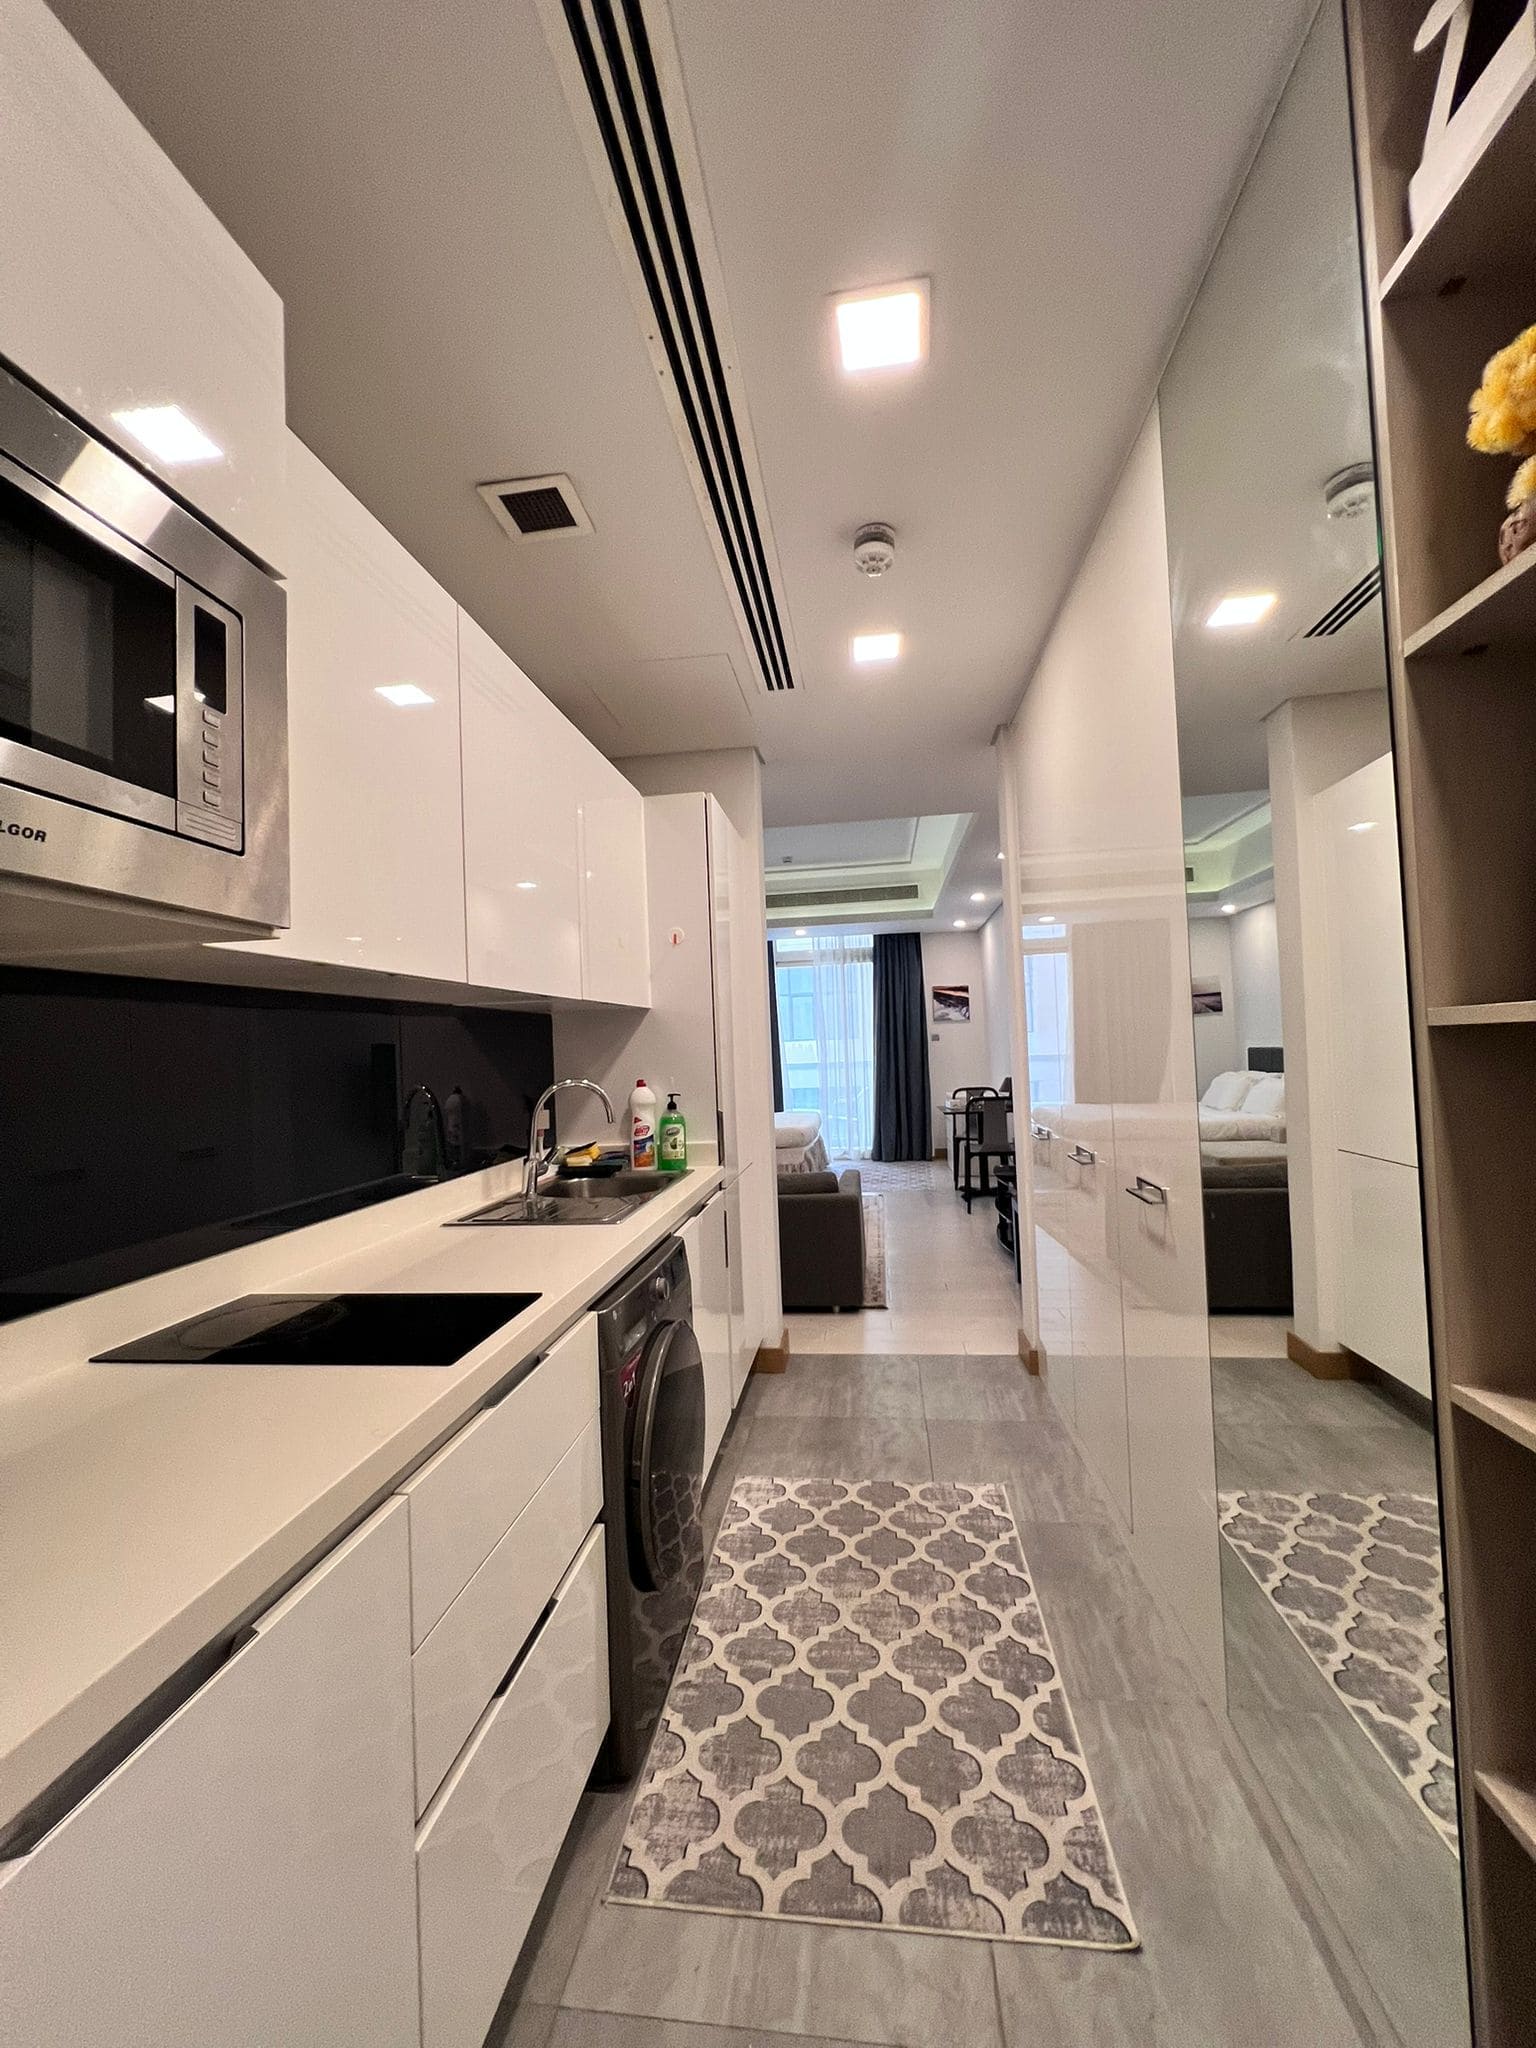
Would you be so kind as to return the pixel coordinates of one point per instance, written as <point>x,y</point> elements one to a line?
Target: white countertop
<point>147,1509</point>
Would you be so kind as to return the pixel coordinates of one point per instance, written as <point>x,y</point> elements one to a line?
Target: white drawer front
<point>465,1499</point>
<point>465,1657</point>
<point>485,1851</point>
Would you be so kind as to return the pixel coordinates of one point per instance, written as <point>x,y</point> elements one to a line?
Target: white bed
<point>1244,1106</point>
<point>798,1146</point>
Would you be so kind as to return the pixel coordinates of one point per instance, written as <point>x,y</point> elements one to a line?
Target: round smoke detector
<point>874,549</point>
<point>1350,493</point>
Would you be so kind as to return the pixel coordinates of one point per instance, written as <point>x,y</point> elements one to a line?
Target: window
<point>1048,1014</point>
<point>826,997</point>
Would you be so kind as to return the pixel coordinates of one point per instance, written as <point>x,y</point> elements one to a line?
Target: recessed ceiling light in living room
<point>876,646</point>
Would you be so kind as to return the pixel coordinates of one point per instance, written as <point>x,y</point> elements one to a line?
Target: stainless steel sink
<point>608,1200</point>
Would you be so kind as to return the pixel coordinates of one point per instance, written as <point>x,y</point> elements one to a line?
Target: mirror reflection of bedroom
<point>1325,1461</point>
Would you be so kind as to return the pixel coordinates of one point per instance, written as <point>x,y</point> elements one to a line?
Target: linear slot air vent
<point>619,72</point>
<point>536,507</point>
<point>1349,606</point>
<point>888,892</point>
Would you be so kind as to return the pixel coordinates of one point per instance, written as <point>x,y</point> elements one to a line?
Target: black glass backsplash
<point>146,1123</point>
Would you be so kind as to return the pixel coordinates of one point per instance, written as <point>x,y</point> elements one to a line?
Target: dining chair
<point>987,1138</point>
<point>960,1101</point>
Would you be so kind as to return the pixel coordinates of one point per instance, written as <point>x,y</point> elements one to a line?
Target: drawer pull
<point>1081,1156</point>
<point>1149,1191</point>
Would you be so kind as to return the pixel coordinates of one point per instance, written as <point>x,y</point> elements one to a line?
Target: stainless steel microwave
<point>143,706</point>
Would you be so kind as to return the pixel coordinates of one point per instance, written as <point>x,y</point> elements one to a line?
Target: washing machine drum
<point>666,1463</point>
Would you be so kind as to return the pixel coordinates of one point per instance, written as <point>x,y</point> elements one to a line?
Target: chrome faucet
<point>537,1158</point>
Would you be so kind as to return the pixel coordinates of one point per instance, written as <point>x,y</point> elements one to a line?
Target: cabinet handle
<point>1039,1130</point>
<point>1081,1156</point>
<point>1149,1191</point>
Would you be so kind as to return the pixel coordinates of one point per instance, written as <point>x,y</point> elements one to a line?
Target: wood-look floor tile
<point>1227,1961</point>
<point>813,1447</point>
<point>1387,1880</point>
<point>623,2030</point>
<point>843,1385</point>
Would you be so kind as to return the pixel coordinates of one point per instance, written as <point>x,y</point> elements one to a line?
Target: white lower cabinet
<point>461,1662</point>
<point>244,1877</point>
<point>486,1847</point>
<point>703,1238</point>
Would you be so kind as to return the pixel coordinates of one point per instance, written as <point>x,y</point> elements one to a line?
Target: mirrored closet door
<point>1327,1494</point>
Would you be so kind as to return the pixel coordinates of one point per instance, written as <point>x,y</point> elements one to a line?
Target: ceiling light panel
<point>403,693</point>
<point>1242,609</point>
<point>876,646</point>
<point>168,434</point>
<point>883,329</point>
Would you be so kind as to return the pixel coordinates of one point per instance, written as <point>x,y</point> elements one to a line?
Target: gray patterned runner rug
<point>1357,1579</point>
<point>868,1727</point>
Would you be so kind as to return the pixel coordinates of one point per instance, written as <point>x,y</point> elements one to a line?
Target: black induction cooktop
<point>328,1329</point>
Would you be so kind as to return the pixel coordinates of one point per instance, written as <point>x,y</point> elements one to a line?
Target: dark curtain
<point>773,1032</point>
<point>902,1116</point>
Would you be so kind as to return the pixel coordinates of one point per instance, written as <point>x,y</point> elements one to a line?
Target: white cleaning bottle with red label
<point>642,1126</point>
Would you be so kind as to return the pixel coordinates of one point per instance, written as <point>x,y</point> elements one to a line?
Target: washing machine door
<point>666,1464</point>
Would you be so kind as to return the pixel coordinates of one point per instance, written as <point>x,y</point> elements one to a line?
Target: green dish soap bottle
<point>672,1138</point>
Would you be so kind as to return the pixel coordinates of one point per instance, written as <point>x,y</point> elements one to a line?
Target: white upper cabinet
<point>122,296</point>
<point>244,1877</point>
<point>615,939</point>
<point>523,766</point>
<point>373,728</point>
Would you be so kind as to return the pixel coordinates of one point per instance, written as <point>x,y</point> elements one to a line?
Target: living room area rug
<point>868,1728</point>
<point>1356,1579</point>
<point>875,1294</point>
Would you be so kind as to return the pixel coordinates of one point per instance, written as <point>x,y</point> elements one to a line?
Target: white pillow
<point>1266,1097</point>
<point>1226,1091</point>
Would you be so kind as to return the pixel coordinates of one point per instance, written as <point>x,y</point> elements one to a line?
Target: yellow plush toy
<point>1503,422</point>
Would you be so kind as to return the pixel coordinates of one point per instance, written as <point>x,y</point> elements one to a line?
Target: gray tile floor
<point>1388,1885</point>
<point>1232,1955</point>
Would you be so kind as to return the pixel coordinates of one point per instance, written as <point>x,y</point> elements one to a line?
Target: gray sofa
<point>821,1240</point>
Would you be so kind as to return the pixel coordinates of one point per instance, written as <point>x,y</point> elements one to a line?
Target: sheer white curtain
<point>826,990</point>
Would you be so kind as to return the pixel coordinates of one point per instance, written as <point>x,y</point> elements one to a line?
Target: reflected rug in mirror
<point>1356,1578</point>
<point>868,1727</point>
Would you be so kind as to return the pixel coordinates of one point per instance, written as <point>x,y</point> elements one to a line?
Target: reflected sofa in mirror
<point>1326,1489</point>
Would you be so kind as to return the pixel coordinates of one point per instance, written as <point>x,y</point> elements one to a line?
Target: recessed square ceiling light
<point>1241,610</point>
<point>959,924</point>
<point>799,931</point>
<point>403,693</point>
<point>1229,910</point>
<point>978,895</point>
<point>168,434</point>
<point>883,328</point>
<point>876,646</point>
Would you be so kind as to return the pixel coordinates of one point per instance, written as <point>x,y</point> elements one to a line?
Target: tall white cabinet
<point>1091,768</point>
<point>264,1830</point>
<point>1382,1309</point>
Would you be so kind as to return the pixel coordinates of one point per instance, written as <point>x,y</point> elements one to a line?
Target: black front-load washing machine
<point>651,1381</point>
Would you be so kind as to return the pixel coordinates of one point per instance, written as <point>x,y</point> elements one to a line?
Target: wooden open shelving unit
<point>1463,635</point>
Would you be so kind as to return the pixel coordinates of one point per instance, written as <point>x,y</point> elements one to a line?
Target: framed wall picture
<point>952,1003</point>
<point>1207,998</point>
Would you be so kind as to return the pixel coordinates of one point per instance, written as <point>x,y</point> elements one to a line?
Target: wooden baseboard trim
<point>773,1357</point>
<point>1030,1355</point>
<point>1324,1365</point>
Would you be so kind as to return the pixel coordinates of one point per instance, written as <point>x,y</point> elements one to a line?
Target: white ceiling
<point>1265,398</point>
<point>411,180</point>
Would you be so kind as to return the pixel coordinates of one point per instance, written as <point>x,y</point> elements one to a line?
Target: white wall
<point>1258,1018</point>
<point>957,1053</point>
<point>1091,801</point>
<point>995,993</point>
<point>1313,741</point>
<point>1210,960</point>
